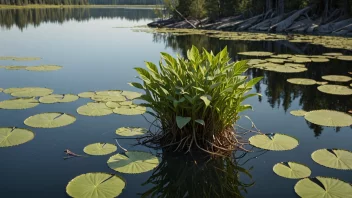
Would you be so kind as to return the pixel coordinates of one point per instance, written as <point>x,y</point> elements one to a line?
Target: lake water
<point>97,54</point>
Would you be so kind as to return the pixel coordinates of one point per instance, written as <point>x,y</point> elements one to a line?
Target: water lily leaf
<point>301,81</point>
<point>44,68</point>
<point>87,94</point>
<point>100,149</point>
<point>130,110</point>
<point>56,98</point>
<point>288,69</point>
<point>297,59</point>
<point>131,95</point>
<point>131,131</point>
<point>50,120</point>
<point>94,109</point>
<point>323,187</point>
<point>329,118</point>
<point>14,58</point>
<point>29,91</point>
<point>291,170</point>
<point>276,60</point>
<point>337,78</point>
<point>335,89</point>
<point>133,162</point>
<point>320,60</point>
<point>299,113</point>
<point>333,158</point>
<point>321,83</point>
<point>95,185</point>
<point>255,61</point>
<point>106,98</point>
<point>114,105</point>
<point>182,121</point>
<point>12,67</point>
<point>19,103</point>
<point>109,93</point>
<point>274,142</point>
<point>285,56</point>
<point>333,54</point>
<point>14,136</point>
<point>345,58</point>
<point>1,89</point>
<point>255,53</point>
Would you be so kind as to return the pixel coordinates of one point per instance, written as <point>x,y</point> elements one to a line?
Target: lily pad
<point>255,61</point>
<point>322,83</point>
<point>12,67</point>
<point>114,105</point>
<point>274,142</point>
<point>14,58</point>
<point>301,81</point>
<point>289,69</point>
<point>29,91</point>
<point>333,158</point>
<point>50,120</point>
<point>345,58</point>
<point>1,89</point>
<point>100,149</point>
<point>109,93</point>
<point>131,94</point>
<point>95,185</point>
<point>320,60</point>
<point>300,59</point>
<point>335,89</point>
<point>130,110</point>
<point>299,113</point>
<point>133,162</point>
<point>94,109</point>
<point>56,98</point>
<point>276,60</point>
<point>337,78</point>
<point>44,68</point>
<point>88,94</point>
<point>323,187</point>
<point>256,53</point>
<point>285,56</point>
<point>291,170</point>
<point>333,54</point>
<point>105,98</point>
<point>329,118</point>
<point>131,131</point>
<point>14,136</point>
<point>19,103</point>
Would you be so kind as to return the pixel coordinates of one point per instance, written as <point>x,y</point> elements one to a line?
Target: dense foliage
<point>197,100</point>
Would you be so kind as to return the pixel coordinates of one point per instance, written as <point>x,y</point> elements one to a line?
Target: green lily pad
<point>299,113</point>
<point>300,59</point>
<point>100,149</point>
<point>109,93</point>
<point>323,187</point>
<point>13,67</point>
<point>322,83</point>
<point>50,120</point>
<point>301,81</point>
<point>131,131</point>
<point>333,158</point>
<point>276,60</point>
<point>14,58</point>
<point>95,185</point>
<point>256,53</point>
<point>19,103</point>
<point>29,91</point>
<point>335,89</point>
<point>105,98</point>
<point>14,136</point>
<point>320,60</point>
<point>131,94</point>
<point>133,162</point>
<point>44,68</point>
<point>255,61</point>
<point>337,78</point>
<point>291,170</point>
<point>333,54</point>
<point>56,98</point>
<point>1,89</point>
<point>94,109</point>
<point>130,110</point>
<point>274,142</point>
<point>288,68</point>
<point>345,58</point>
<point>285,56</point>
<point>329,118</point>
<point>88,94</point>
<point>114,105</point>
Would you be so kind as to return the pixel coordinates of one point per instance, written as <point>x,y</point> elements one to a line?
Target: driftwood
<point>249,22</point>
<point>230,25</point>
<point>344,30</point>
<point>314,25</point>
<point>281,26</point>
<point>331,27</point>
<point>300,26</point>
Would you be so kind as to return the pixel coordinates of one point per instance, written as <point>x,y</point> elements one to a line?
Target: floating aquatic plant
<point>94,109</point>
<point>44,68</point>
<point>333,158</point>
<point>131,95</point>
<point>88,94</point>
<point>335,90</point>
<point>107,98</point>
<point>100,149</point>
<point>50,120</point>
<point>14,136</point>
<point>15,58</point>
<point>13,67</point>
<point>114,105</point>
<point>291,170</point>
<point>256,53</point>
<point>56,98</point>
<point>274,142</point>
<point>29,91</point>
<point>131,131</point>
<point>130,110</point>
<point>333,54</point>
<point>299,113</point>
<point>19,103</point>
<point>301,81</point>
<point>345,58</point>
<point>337,78</point>
<point>329,118</point>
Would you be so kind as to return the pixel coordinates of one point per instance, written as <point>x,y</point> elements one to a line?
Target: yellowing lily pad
<point>109,93</point>
<point>329,118</point>
<point>335,89</point>
<point>299,113</point>
<point>133,162</point>
<point>320,60</point>
<point>337,78</point>
<point>114,105</point>
<point>321,83</point>
<point>95,185</point>
<point>301,81</point>
<point>94,109</point>
<point>29,91</point>
<point>131,131</point>
<point>44,68</point>
<point>106,98</point>
<point>19,103</point>
<point>300,59</point>
<point>56,98</point>
<point>333,54</point>
<point>88,94</point>
<point>333,158</point>
<point>1,89</point>
<point>14,136</point>
<point>256,53</point>
<point>131,94</point>
<point>130,110</point>
<point>100,149</point>
<point>49,120</point>
<point>291,170</point>
<point>274,142</point>
<point>276,60</point>
<point>345,58</point>
<point>285,56</point>
<point>14,58</point>
<point>323,187</point>
<point>13,67</point>
<point>288,68</point>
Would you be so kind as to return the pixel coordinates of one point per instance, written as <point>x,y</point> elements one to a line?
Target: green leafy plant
<point>196,100</point>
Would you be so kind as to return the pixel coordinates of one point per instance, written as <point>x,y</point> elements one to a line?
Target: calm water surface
<point>97,56</point>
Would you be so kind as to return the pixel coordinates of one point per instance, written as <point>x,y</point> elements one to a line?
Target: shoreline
<point>39,6</point>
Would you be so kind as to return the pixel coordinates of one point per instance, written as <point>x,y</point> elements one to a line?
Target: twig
<point>120,146</point>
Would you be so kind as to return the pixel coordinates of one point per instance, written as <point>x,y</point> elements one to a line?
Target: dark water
<point>97,56</point>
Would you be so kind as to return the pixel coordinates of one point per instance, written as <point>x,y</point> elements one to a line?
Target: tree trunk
<point>280,7</point>
<point>269,5</point>
<point>288,21</point>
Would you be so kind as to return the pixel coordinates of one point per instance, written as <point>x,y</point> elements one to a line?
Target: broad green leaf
<point>337,78</point>
<point>133,162</point>
<point>329,118</point>
<point>14,136</point>
<point>274,142</point>
<point>111,93</point>
<point>335,90</point>
<point>105,98</point>
<point>131,94</point>
<point>137,85</point>
<point>19,103</point>
<point>100,149</point>
<point>130,110</point>
<point>253,82</point>
<point>88,94</point>
<point>131,131</point>
<point>182,121</point>
<point>299,113</point>
<point>291,170</point>
<point>301,81</point>
<point>206,99</point>
<point>49,120</point>
<point>333,158</point>
<point>199,121</point>
<point>94,109</point>
<point>56,98</point>
<point>95,185</point>
<point>29,91</point>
